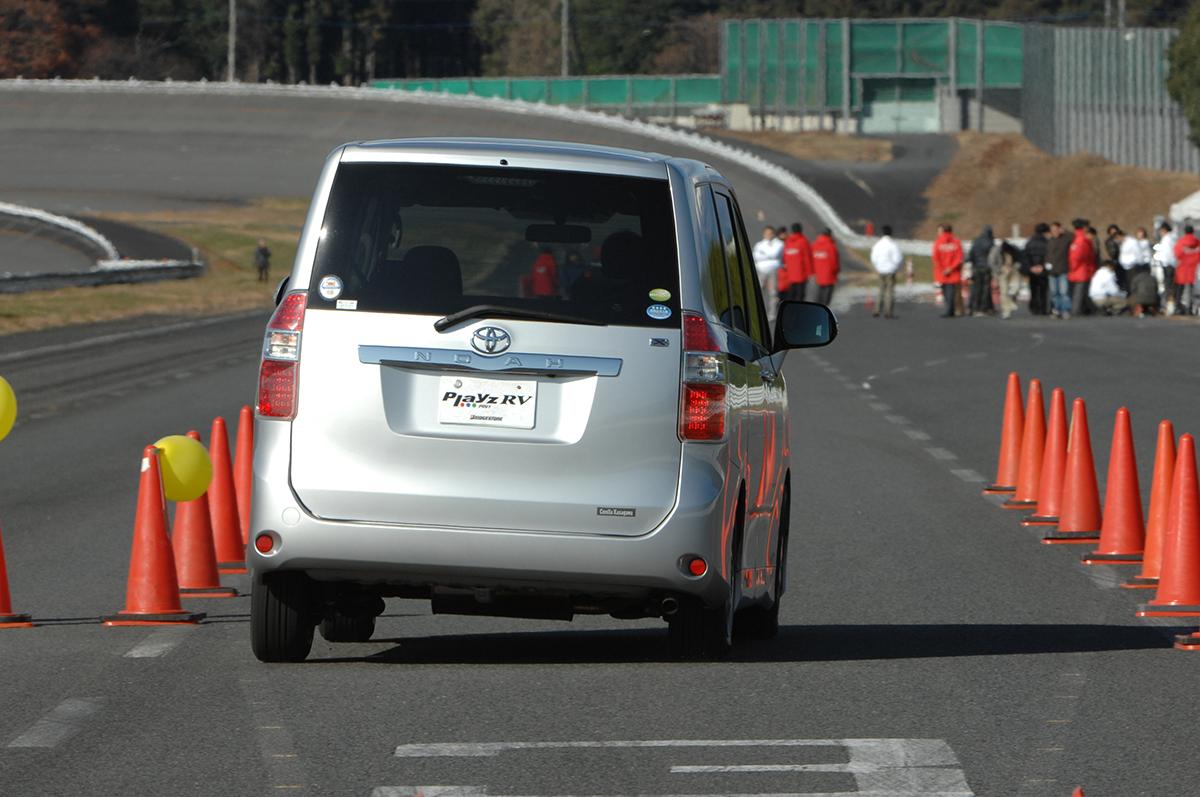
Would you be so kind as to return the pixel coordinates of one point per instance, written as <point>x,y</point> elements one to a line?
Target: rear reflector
<point>697,567</point>
<point>277,389</point>
<point>702,416</point>
<point>263,543</point>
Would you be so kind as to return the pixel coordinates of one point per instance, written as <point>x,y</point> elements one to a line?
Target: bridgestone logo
<point>616,511</point>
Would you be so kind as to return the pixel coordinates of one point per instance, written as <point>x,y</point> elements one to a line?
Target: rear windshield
<point>435,239</point>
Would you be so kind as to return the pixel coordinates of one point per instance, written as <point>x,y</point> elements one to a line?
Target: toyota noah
<point>522,379</point>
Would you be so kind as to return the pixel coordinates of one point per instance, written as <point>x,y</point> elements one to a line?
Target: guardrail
<point>110,267</point>
<point>802,191</point>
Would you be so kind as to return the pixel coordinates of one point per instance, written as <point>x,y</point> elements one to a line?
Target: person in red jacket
<point>1081,259</point>
<point>826,265</point>
<point>947,259</point>
<point>1187,258</point>
<point>797,266</point>
<point>543,276</point>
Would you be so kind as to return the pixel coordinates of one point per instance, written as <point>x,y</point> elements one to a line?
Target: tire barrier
<point>1165,542</point>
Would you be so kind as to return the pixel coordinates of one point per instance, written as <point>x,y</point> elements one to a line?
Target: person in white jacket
<point>1104,291</point>
<point>768,259</point>
<point>886,258</point>
<point>1164,265</point>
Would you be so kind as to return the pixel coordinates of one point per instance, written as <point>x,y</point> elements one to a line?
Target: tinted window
<point>716,280</point>
<point>737,287</point>
<point>755,309</point>
<point>435,239</point>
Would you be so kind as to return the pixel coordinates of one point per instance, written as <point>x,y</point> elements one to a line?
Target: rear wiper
<point>500,311</point>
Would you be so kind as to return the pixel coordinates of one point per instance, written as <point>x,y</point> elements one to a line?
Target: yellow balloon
<point>8,408</point>
<point>186,468</point>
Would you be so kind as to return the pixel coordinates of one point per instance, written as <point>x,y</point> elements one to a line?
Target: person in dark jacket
<point>1033,265</point>
<point>981,272</point>
<point>1058,248</point>
<point>1112,253</point>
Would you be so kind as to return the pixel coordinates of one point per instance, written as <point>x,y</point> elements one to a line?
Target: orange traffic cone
<point>1179,582</point>
<point>1188,641</point>
<point>1010,440</point>
<point>1079,516</point>
<point>243,469</point>
<point>1054,464</point>
<point>1078,792</point>
<point>1122,533</point>
<point>195,556</point>
<point>8,618</point>
<point>1033,447</point>
<point>222,504</point>
<point>1160,506</point>
<point>152,593</point>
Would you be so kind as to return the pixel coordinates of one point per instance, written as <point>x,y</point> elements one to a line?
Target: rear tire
<point>758,622</point>
<point>347,628</point>
<point>281,620</point>
<point>699,633</point>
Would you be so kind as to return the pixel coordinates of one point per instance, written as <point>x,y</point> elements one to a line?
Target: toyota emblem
<point>491,340</point>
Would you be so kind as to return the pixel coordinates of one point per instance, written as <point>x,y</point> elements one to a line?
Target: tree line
<point>353,41</point>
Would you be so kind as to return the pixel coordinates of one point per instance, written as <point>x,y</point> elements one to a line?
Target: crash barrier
<point>110,267</point>
<point>1049,471</point>
<point>799,190</point>
<point>207,488</point>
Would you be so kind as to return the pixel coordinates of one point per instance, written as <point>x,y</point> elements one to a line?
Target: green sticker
<point>660,294</point>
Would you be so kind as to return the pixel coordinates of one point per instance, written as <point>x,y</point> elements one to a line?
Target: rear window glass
<point>435,239</point>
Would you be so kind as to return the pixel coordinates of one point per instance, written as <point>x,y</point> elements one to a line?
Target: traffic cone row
<point>1061,489</point>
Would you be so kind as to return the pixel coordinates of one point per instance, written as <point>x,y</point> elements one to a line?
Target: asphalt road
<point>930,645</point>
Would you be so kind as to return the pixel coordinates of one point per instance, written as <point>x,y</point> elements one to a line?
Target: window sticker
<point>660,295</point>
<point>658,312</point>
<point>330,287</point>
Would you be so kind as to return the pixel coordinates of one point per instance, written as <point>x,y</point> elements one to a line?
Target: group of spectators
<point>786,262</point>
<point>1067,273</point>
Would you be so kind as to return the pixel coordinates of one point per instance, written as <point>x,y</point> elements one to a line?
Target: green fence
<point>819,65</point>
<point>635,93</point>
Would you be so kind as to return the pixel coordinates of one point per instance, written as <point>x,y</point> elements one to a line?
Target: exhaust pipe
<point>668,607</point>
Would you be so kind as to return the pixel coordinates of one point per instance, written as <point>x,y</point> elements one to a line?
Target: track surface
<point>918,610</point>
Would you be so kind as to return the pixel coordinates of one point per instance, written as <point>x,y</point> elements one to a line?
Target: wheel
<point>347,628</point>
<point>281,620</point>
<point>759,622</point>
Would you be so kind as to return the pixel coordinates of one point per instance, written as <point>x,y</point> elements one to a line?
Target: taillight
<point>702,391</point>
<point>281,358</point>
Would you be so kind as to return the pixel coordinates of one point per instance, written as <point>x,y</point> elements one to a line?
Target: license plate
<point>508,403</point>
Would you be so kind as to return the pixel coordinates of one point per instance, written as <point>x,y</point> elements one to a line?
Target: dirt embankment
<point>1003,180</point>
<point>815,146</point>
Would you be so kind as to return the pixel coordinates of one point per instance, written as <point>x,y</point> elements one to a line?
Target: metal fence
<point>1104,91</point>
<point>633,94</point>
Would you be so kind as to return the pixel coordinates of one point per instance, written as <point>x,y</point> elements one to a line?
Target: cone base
<point>999,489</point>
<point>1188,641</point>
<point>1096,558</point>
<point>1021,505</point>
<point>1168,610</point>
<point>207,592</point>
<point>165,618</point>
<point>1039,520</point>
<point>15,621</point>
<point>1071,537</point>
<point>232,568</point>
<point>1140,582</point>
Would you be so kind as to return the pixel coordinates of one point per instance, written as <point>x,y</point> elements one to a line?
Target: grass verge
<point>226,238</point>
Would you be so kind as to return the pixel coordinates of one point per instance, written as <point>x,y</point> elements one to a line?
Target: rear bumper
<point>472,558</point>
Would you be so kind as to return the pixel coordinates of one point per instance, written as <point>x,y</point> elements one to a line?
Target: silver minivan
<point>522,379</point>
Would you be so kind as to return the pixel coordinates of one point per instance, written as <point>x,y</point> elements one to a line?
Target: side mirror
<point>281,291</point>
<point>804,325</point>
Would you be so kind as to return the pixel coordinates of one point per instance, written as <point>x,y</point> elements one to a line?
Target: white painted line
<point>899,369</point>
<point>940,361</point>
<point>479,791</point>
<point>62,722</point>
<point>429,791</point>
<point>975,355</point>
<point>941,454</point>
<point>916,434</point>
<point>858,181</point>
<point>879,405</point>
<point>159,643</point>
<point>899,420</point>
<point>489,749</point>
<point>968,475</point>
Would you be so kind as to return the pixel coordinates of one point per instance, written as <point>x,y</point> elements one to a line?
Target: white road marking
<point>899,420</point>
<point>892,767</point>
<point>968,475</point>
<point>940,361</point>
<point>1106,577</point>
<point>899,369</point>
<point>941,454</point>
<point>879,405</point>
<point>61,723</point>
<point>858,181</point>
<point>158,643</point>
<point>916,434</point>
<point>975,355</point>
